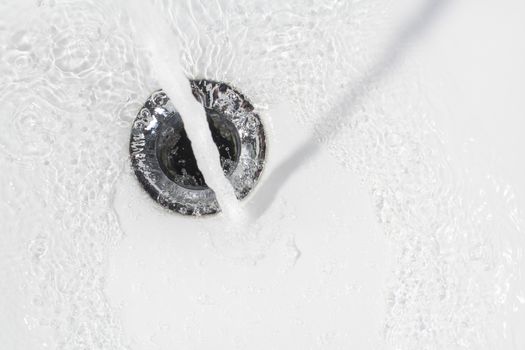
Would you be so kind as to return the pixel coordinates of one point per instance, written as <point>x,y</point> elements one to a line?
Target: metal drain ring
<point>158,134</point>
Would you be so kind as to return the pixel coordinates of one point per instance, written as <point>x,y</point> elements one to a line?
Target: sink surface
<point>388,214</point>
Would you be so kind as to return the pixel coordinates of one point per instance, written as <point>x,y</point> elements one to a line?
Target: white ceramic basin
<point>388,215</point>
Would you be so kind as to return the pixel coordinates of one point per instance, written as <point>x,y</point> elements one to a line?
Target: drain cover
<point>163,159</point>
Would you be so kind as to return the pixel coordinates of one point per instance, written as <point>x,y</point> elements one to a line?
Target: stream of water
<point>154,34</point>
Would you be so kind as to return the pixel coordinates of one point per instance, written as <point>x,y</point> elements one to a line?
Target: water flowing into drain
<point>154,34</point>
<point>162,154</point>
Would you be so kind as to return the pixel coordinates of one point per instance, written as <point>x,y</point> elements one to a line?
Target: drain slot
<point>176,157</point>
<point>163,159</point>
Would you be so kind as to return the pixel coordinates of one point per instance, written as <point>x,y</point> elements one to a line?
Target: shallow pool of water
<point>388,215</point>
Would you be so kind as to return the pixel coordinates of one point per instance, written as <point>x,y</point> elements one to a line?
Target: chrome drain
<point>163,160</point>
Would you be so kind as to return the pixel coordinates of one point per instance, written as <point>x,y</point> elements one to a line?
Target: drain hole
<point>175,154</point>
<point>163,159</point>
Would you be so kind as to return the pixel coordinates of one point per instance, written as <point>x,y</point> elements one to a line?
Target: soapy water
<point>73,81</point>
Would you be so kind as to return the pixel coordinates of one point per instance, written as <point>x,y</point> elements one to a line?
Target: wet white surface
<point>402,229</point>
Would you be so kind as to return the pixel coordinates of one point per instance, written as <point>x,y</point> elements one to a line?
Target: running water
<point>154,33</point>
